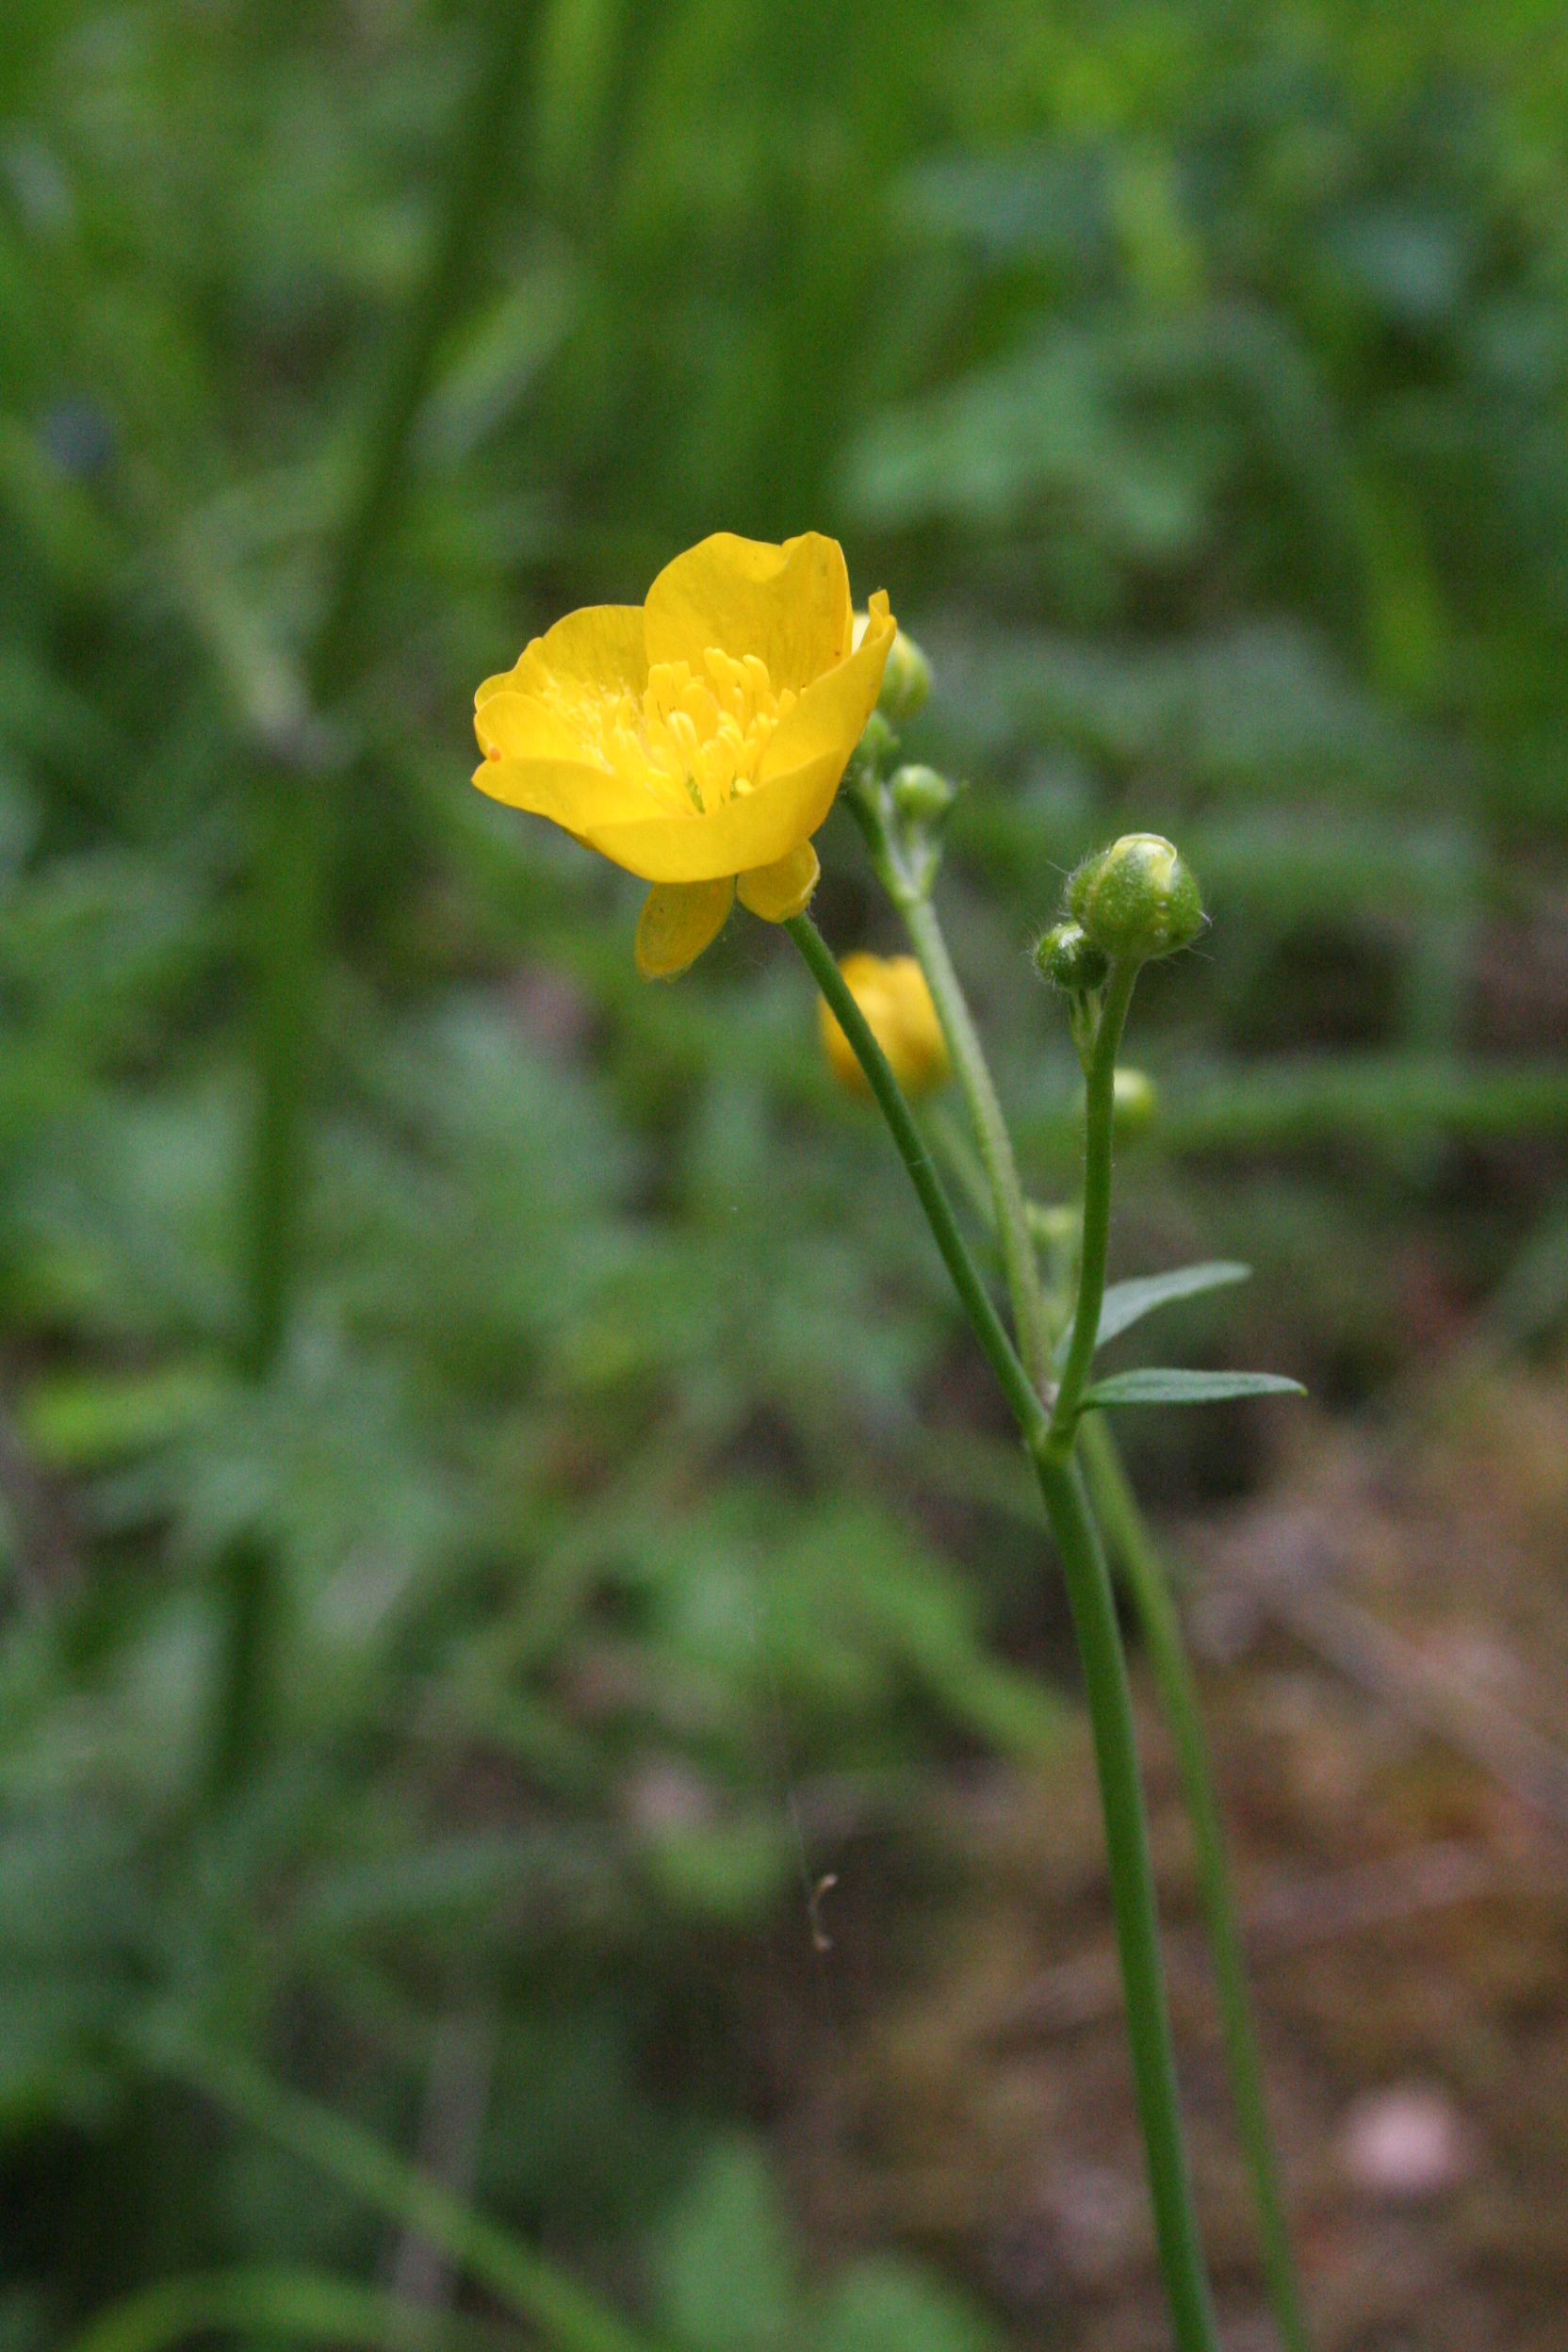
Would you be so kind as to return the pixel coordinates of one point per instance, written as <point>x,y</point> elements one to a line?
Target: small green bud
<point>920,795</point>
<point>877,742</point>
<point>1136,900</point>
<point>905,680</point>
<point>1069,959</point>
<point>1133,1104</point>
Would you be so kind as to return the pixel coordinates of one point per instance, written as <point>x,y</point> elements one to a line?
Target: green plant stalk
<point>534,2289</point>
<point>1106,1684</point>
<point>991,1133</point>
<point>1099,1113</point>
<point>1110,1704</point>
<point>1117,1509</point>
<point>973,1294</point>
<point>1128,1537</point>
<point>285,2303</point>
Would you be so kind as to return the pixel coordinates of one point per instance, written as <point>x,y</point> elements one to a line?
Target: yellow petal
<point>678,922</point>
<point>753,830</point>
<point>600,645</point>
<point>788,605</point>
<point>784,889</point>
<point>826,723</point>
<point>534,760</point>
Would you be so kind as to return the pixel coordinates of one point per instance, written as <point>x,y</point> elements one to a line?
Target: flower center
<point>696,742</point>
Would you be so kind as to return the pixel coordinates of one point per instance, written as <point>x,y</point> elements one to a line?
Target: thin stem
<point>1110,1704</point>
<point>973,1294</point>
<point>962,1166</point>
<point>991,1133</point>
<point>1099,1108</point>
<point>1106,1685</point>
<point>1116,1508</point>
<point>1128,1536</point>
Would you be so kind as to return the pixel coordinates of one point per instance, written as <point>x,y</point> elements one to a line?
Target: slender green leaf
<point>1152,1384</point>
<point>286,2303</point>
<point>564,2313</point>
<point>1126,1303</point>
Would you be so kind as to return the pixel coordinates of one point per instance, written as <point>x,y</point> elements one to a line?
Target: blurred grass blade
<point>286,2303</point>
<point>1126,1303</point>
<point>565,2313</point>
<point>1154,1384</point>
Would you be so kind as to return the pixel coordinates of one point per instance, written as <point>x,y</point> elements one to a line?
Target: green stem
<point>1106,1684</point>
<point>1127,1534</point>
<point>973,1294</point>
<point>1117,1509</point>
<point>1099,1111</point>
<point>991,1133</point>
<point>534,2289</point>
<point>1110,1704</point>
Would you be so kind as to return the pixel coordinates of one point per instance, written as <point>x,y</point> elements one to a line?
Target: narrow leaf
<point>1154,1385</point>
<point>1126,1303</point>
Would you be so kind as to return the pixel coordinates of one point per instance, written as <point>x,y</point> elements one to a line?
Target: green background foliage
<point>612,1513</point>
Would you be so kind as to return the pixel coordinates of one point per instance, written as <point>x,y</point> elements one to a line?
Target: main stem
<point>1106,1685</point>
<point>1110,1702</point>
<point>1117,1509</point>
<point>991,1133</point>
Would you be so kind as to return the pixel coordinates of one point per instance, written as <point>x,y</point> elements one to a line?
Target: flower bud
<point>892,994</point>
<point>905,680</point>
<point>1070,960</point>
<point>1134,1102</point>
<point>921,796</point>
<point>1136,900</point>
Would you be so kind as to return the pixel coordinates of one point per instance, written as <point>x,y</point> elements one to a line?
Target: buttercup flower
<point>698,739</point>
<point>892,994</point>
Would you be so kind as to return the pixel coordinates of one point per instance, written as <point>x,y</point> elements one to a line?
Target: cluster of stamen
<point>696,742</point>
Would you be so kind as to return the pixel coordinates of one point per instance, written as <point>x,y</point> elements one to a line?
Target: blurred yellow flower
<point>891,992</point>
<point>697,740</point>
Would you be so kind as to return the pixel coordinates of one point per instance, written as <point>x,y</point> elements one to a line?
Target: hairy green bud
<point>905,680</point>
<point>1136,900</point>
<point>920,795</point>
<point>1069,959</point>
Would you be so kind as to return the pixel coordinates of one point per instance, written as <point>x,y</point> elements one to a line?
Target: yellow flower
<point>699,739</point>
<point>892,994</point>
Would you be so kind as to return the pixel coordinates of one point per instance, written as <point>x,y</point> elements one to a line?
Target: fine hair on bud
<point>1136,900</point>
<point>1069,959</point>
